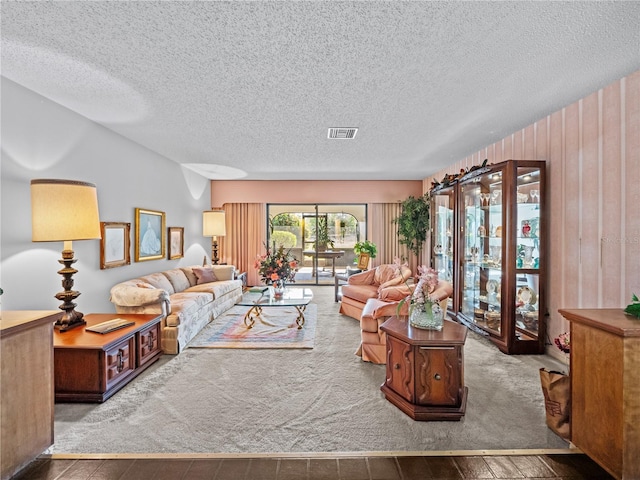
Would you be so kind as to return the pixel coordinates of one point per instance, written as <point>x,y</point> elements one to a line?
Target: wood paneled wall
<point>592,148</point>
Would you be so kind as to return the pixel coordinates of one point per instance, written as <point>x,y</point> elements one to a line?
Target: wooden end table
<point>425,370</point>
<point>91,367</point>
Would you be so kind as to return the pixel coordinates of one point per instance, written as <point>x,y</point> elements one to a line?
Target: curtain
<point>384,234</point>
<point>246,225</point>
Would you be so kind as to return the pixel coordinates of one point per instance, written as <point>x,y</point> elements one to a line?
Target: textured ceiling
<point>250,88</point>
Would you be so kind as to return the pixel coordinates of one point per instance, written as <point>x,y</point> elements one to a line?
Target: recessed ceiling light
<point>342,133</point>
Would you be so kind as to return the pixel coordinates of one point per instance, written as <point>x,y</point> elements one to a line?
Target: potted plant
<point>364,251</point>
<point>365,247</point>
<point>322,235</point>
<point>413,223</point>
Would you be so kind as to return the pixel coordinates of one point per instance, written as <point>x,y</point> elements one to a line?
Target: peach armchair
<point>386,282</point>
<point>373,344</point>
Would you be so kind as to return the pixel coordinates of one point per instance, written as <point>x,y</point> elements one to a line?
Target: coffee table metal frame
<point>293,297</point>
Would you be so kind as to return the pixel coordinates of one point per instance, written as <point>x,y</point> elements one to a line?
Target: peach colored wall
<point>592,148</point>
<point>312,191</point>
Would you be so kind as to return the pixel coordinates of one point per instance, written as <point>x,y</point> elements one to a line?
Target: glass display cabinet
<point>501,230</point>
<point>443,238</point>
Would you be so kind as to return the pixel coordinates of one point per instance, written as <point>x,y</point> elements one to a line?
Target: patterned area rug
<point>275,328</point>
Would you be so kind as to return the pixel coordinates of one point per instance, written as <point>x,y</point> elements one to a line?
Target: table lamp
<point>63,211</point>
<point>213,225</point>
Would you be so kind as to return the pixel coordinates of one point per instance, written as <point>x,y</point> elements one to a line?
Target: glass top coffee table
<point>293,297</point>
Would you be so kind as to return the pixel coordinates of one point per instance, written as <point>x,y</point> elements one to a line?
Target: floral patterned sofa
<point>188,298</point>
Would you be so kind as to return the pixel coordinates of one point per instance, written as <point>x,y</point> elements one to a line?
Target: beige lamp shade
<point>64,210</point>
<point>213,223</point>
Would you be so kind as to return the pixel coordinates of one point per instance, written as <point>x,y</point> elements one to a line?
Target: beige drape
<point>246,225</point>
<point>384,233</point>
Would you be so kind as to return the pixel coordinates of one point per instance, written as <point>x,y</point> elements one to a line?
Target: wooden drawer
<point>148,344</point>
<point>119,361</point>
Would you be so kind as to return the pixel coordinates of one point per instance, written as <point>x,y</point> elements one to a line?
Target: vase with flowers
<point>276,267</point>
<point>424,310</point>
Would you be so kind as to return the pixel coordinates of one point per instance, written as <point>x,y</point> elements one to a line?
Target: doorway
<point>320,236</point>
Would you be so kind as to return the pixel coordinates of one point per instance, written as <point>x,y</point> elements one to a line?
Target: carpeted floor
<point>323,399</point>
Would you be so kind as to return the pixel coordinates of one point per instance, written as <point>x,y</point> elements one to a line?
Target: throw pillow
<point>394,293</point>
<point>204,275</point>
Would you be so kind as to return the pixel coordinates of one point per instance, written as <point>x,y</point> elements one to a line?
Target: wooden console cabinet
<point>425,370</point>
<point>605,388</point>
<point>91,367</point>
<point>26,387</point>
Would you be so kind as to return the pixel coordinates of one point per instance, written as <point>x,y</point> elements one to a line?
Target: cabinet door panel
<point>438,379</point>
<point>120,361</point>
<point>400,368</point>
<point>148,343</point>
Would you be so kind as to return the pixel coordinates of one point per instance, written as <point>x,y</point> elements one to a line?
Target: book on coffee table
<point>110,325</point>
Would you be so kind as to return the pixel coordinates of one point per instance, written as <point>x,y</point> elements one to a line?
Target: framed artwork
<point>363,261</point>
<point>115,246</point>
<point>150,239</point>
<point>176,242</point>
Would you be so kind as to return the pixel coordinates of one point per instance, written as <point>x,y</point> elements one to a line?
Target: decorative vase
<point>431,317</point>
<point>278,289</point>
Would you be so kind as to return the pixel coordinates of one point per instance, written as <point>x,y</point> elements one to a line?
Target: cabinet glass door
<point>442,230</point>
<point>482,257</point>
<point>528,234</point>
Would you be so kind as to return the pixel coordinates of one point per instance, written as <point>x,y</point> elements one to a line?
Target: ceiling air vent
<point>342,133</point>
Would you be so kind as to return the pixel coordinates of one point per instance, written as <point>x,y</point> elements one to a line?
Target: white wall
<point>41,139</point>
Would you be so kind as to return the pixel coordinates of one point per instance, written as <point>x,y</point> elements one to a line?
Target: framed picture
<point>176,242</point>
<point>150,239</point>
<point>115,246</point>
<point>363,261</point>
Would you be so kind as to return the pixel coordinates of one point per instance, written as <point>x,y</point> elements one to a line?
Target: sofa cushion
<point>185,305</point>
<point>224,272</point>
<point>188,272</point>
<point>362,293</point>
<point>362,278</point>
<point>158,280</point>
<point>217,289</point>
<point>386,272</point>
<point>204,275</point>
<point>178,279</point>
<point>394,293</point>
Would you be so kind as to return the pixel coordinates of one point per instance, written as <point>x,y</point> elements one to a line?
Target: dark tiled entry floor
<point>549,466</point>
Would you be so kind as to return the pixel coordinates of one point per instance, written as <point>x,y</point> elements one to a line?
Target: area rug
<point>274,328</point>
<point>319,400</point>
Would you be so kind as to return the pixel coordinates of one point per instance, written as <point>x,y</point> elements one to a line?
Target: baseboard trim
<point>435,453</point>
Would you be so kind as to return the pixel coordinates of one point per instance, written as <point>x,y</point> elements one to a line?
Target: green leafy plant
<point>322,234</point>
<point>286,239</point>
<point>365,247</point>
<point>413,223</point>
<point>634,307</point>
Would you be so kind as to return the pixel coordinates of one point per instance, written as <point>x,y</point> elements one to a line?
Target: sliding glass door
<point>320,236</point>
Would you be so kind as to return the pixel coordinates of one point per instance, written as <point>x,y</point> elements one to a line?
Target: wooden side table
<point>91,367</point>
<point>605,388</point>
<point>425,370</point>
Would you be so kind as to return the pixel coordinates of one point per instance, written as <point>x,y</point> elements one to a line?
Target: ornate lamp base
<point>71,318</point>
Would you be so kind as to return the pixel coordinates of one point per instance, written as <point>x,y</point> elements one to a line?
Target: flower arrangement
<point>424,310</point>
<point>427,283</point>
<point>276,265</point>
<point>563,342</point>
